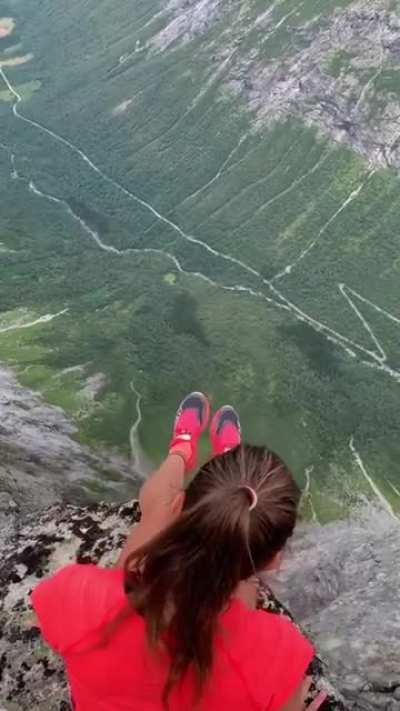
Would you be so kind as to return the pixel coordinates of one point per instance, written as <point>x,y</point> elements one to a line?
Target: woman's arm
<point>297,702</point>
<point>161,500</point>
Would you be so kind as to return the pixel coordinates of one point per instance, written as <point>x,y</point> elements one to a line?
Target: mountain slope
<point>207,192</point>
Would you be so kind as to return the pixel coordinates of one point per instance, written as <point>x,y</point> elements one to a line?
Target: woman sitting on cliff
<point>174,625</point>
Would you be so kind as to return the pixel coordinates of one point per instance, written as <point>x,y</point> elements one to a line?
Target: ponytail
<point>183,579</point>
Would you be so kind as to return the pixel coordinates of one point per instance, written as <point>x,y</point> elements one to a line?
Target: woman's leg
<point>161,499</point>
<point>162,496</point>
<point>161,488</point>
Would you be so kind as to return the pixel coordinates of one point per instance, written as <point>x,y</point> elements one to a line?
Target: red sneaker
<point>225,430</point>
<point>191,420</point>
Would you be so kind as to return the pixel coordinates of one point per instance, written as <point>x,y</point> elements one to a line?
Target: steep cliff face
<point>336,70</point>
<point>31,676</point>
<point>41,462</point>
<point>340,75</point>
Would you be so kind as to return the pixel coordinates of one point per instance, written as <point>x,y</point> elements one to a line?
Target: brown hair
<point>184,578</point>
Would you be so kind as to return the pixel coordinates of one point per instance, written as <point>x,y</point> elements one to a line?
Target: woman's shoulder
<point>75,599</point>
<point>272,652</point>
<point>80,579</point>
<point>260,623</point>
<point>92,571</point>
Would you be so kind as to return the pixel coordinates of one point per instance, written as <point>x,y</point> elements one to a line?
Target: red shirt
<point>259,659</point>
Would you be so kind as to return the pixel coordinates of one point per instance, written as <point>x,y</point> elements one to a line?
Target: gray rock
<point>393,705</point>
<point>186,19</point>
<point>41,463</point>
<point>360,41</point>
<point>339,103</point>
<point>342,584</point>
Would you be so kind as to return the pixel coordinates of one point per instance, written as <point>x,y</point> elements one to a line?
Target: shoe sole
<point>207,408</point>
<point>217,416</point>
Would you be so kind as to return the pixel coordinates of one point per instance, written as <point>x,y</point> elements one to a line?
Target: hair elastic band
<point>254,497</point>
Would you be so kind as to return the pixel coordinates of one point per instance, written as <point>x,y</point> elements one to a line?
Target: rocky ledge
<point>340,581</point>
<point>31,676</point>
<point>342,584</point>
